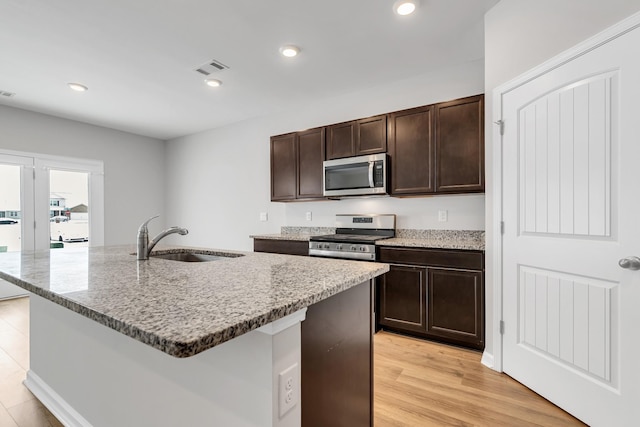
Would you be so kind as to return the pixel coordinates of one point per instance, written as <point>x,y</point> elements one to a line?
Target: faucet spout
<point>144,246</point>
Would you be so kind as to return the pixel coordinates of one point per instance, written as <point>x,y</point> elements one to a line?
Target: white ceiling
<point>138,56</point>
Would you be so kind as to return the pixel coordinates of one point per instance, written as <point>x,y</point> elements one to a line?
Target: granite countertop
<point>410,238</point>
<point>181,308</point>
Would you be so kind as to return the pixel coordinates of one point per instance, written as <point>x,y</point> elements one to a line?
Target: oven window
<point>347,176</point>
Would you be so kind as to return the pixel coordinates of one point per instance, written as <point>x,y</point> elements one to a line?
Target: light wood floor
<point>421,383</point>
<point>18,407</point>
<point>417,384</point>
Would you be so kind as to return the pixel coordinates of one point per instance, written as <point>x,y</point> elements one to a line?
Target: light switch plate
<point>264,216</point>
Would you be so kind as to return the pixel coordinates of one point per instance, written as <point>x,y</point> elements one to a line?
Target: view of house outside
<point>68,208</point>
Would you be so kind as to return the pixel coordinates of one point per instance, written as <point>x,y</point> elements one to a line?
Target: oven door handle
<point>371,183</point>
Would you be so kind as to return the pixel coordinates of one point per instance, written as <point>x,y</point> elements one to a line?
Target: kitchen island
<point>115,341</point>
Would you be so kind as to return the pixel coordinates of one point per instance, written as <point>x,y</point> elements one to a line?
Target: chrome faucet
<point>145,246</point>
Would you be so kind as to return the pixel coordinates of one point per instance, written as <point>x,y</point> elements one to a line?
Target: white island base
<point>89,375</point>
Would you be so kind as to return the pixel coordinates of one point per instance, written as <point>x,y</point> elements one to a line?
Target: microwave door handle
<point>371,183</point>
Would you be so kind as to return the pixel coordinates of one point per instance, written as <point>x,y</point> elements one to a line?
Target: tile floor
<point>18,407</point>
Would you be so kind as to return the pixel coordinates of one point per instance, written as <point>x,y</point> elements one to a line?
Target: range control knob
<point>353,248</point>
<point>338,247</point>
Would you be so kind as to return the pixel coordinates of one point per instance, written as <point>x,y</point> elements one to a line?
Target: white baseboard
<point>487,359</point>
<point>54,402</point>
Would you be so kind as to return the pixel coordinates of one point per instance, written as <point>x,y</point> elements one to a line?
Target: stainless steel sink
<point>192,256</point>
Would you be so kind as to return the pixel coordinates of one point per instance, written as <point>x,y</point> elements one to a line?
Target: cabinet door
<point>371,135</point>
<point>455,306</point>
<point>341,140</point>
<point>402,293</point>
<point>283,167</point>
<point>460,145</point>
<point>411,151</point>
<point>310,158</point>
<point>287,247</point>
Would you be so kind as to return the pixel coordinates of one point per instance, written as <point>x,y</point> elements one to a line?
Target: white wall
<point>133,164</point>
<point>228,168</point>
<point>520,35</point>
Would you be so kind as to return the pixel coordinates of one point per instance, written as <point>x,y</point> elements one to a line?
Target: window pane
<point>10,210</point>
<point>69,208</point>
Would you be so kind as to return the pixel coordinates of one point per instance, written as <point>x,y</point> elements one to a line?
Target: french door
<point>48,202</point>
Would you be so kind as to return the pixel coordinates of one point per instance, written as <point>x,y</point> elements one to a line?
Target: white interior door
<point>571,208</point>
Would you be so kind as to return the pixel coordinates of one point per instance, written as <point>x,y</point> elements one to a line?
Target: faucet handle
<point>143,226</point>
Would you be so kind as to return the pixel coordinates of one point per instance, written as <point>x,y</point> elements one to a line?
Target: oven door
<point>353,176</point>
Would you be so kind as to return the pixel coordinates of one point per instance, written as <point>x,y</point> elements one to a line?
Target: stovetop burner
<point>355,237</point>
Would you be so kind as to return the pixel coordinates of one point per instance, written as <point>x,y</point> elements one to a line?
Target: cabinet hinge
<point>501,124</point>
<point>501,227</point>
<point>502,327</point>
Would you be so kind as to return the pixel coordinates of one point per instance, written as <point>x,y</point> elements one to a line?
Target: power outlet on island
<point>288,389</point>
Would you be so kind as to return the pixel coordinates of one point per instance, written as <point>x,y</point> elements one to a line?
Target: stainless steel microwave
<point>355,176</point>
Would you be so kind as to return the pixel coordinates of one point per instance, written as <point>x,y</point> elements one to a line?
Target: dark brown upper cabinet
<point>411,151</point>
<point>438,148</point>
<point>283,167</point>
<point>296,165</point>
<point>357,138</point>
<point>460,145</point>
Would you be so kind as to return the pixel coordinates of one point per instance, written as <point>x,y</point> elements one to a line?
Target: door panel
<point>16,211</point>
<point>570,155</point>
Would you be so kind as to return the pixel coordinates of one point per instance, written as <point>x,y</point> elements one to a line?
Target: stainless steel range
<point>355,237</point>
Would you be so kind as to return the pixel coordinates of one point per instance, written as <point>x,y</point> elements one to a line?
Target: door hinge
<point>502,327</point>
<point>501,227</point>
<point>501,124</point>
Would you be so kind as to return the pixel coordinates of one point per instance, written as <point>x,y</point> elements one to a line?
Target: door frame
<point>42,163</point>
<point>494,359</point>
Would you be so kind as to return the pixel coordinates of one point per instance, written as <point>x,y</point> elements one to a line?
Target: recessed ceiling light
<point>405,7</point>
<point>289,51</point>
<point>78,87</point>
<point>213,82</point>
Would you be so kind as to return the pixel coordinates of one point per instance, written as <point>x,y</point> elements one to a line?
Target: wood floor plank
<point>443,385</point>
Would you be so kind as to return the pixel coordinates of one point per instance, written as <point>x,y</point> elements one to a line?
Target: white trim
<point>487,360</point>
<point>284,323</point>
<point>54,402</point>
<point>602,38</point>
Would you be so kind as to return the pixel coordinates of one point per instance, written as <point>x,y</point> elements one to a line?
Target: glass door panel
<point>16,211</point>
<point>68,208</point>
<point>10,209</point>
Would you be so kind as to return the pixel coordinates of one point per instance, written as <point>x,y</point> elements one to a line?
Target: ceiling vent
<point>6,94</point>
<point>211,67</point>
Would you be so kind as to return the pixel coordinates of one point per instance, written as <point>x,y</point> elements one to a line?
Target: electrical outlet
<point>264,216</point>
<point>308,216</point>
<point>288,390</point>
<point>443,216</point>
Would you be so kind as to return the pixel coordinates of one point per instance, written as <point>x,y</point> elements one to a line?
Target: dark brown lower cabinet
<point>403,302</point>
<point>455,306</point>
<point>433,294</point>
<point>337,360</point>
<point>288,247</point>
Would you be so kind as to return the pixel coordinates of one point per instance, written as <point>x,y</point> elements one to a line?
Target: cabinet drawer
<point>452,258</point>
<point>287,247</point>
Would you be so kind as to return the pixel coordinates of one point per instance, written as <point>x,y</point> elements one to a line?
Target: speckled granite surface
<point>439,239</point>
<point>296,233</point>
<point>178,307</point>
